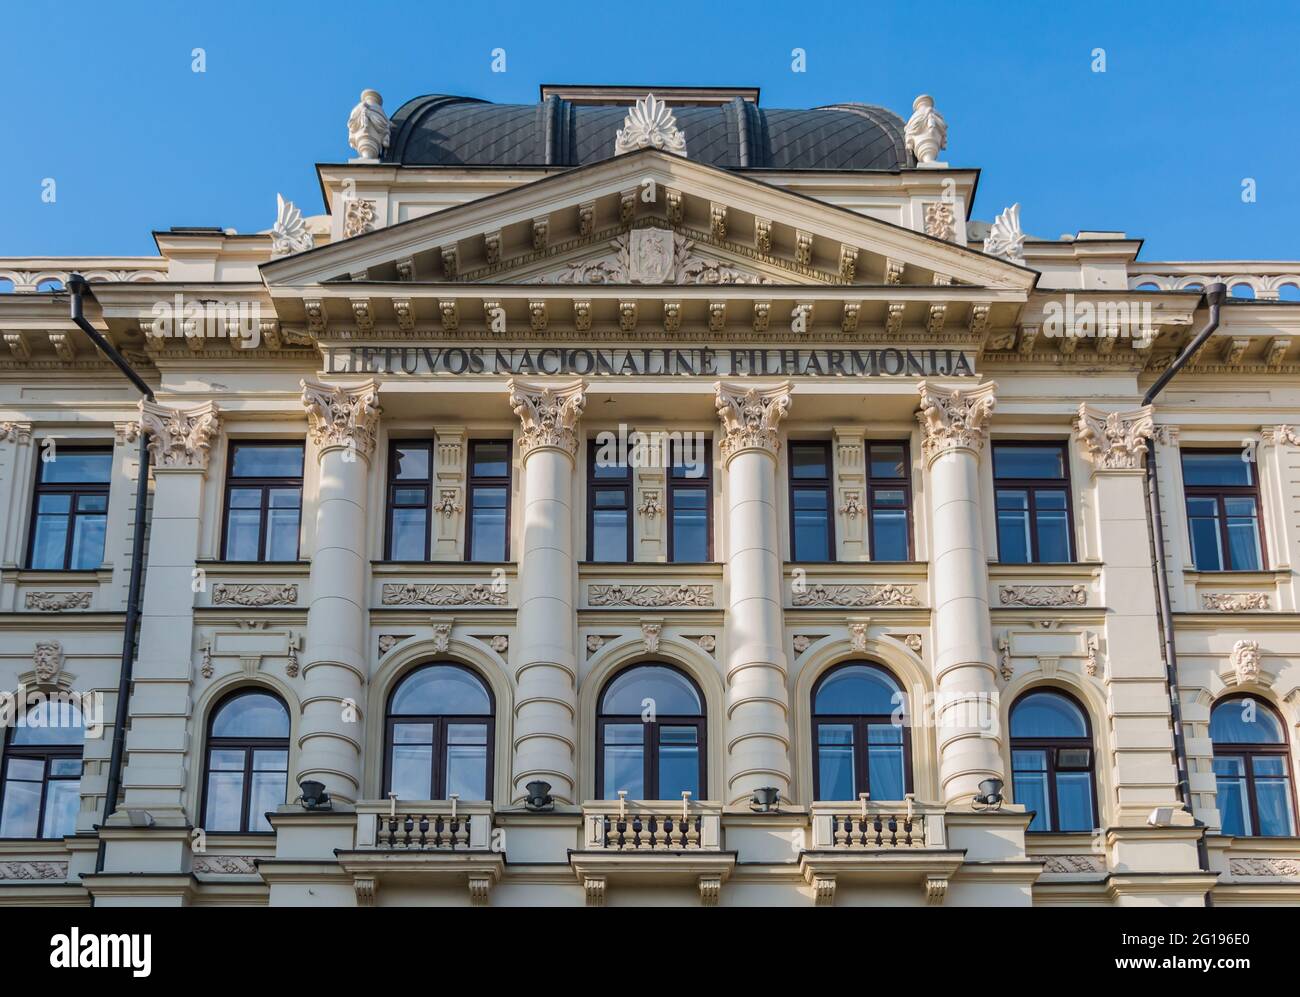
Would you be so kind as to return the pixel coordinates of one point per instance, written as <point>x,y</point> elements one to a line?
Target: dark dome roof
<point>440,130</point>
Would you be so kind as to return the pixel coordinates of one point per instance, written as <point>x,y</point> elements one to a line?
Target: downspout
<point>1214,295</point>
<point>77,285</point>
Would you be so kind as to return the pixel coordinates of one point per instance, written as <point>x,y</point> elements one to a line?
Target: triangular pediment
<point>641,218</point>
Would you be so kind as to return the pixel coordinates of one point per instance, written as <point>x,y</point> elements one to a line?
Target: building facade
<point>649,500</point>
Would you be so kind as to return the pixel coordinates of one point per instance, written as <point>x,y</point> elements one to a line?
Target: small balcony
<point>643,842</point>
<point>882,842</point>
<point>423,842</point>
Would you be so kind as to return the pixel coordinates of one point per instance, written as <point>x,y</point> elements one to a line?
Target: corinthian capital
<point>180,438</point>
<point>750,416</point>
<point>1114,441</point>
<point>341,416</point>
<point>954,418</point>
<point>549,414</point>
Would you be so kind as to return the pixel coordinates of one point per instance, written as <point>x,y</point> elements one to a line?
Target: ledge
<point>478,870</point>
<point>930,868</point>
<point>597,869</point>
<point>11,575</point>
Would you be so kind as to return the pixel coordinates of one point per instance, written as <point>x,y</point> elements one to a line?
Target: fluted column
<point>179,444</point>
<point>546,670</point>
<point>343,422</point>
<point>758,724</point>
<point>966,713</point>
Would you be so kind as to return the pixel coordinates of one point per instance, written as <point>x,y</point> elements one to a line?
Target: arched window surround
<point>1249,752</point>
<point>652,732</point>
<point>1050,747</point>
<point>258,751</point>
<point>25,760</point>
<point>861,724</point>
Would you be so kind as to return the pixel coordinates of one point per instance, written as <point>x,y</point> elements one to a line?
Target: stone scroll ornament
<point>954,418</point>
<point>650,124</point>
<point>750,416</point>
<point>1005,238</point>
<point>343,417</point>
<point>180,438</point>
<point>549,415</point>
<point>289,234</point>
<point>1114,441</point>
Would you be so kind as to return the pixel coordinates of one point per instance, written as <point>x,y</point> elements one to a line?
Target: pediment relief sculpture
<point>652,256</point>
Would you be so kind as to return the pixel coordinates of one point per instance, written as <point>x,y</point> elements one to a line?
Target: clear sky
<point>1196,98</point>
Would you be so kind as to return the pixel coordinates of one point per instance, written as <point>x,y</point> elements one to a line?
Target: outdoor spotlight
<point>1161,817</point>
<point>140,818</point>
<point>539,797</point>
<point>314,796</point>
<point>765,800</point>
<point>990,795</point>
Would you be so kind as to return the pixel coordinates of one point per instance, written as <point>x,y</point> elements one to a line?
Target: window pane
<point>1203,525</point>
<point>488,537</point>
<point>679,762</point>
<point>1013,526</point>
<point>243,532</point>
<point>282,524</point>
<point>690,525</point>
<point>279,461</point>
<point>887,462</point>
<point>268,792</point>
<point>1028,462</point>
<point>1047,714</point>
<point>1029,782</point>
<point>50,539</point>
<point>22,804</point>
<point>889,535</point>
<point>88,542</point>
<point>65,767</point>
<point>225,796</point>
<point>1230,780</point>
<point>667,691</point>
<point>811,525</point>
<point>610,470</point>
<point>857,690</point>
<point>624,761</point>
<point>490,460</point>
<point>609,532</point>
<point>1200,468</point>
<point>92,503</point>
<point>1244,721</point>
<point>411,462</point>
<point>81,468</point>
<point>467,761</point>
<point>885,762</point>
<point>251,714</point>
<point>808,460</point>
<point>1074,800</point>
<point>1273,800</point>
<point>1052,525</point>
<point>412,775</point>
<point>406,542</point>
<point>1243,534</point>
<point>835,775</point>
<point>440,690</point>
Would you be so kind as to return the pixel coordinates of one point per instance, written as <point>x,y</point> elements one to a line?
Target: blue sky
<point>1196,98</point>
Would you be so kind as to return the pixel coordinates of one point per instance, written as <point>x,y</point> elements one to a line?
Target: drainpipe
<point>78,286</point>
<point>1214,295</point>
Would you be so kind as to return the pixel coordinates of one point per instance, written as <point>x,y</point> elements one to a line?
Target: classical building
<point>631,499</point>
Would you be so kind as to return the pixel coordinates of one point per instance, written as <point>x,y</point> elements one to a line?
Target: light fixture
<point>990,796</point>
<point>765,800</point>
<point>314,796</point>
<point>539,797</point>
<point>1161,817</point>
<point>140,818</point>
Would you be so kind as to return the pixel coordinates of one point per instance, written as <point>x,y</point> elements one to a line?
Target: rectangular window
<point>410,469</point>
<point>1032,488</point>
<point>487,518</point>
<point>609,509</point>
<point>812,515</point>
<point>263,502</point>
<point>690,503</point>
<point>889,501</point>
<point>70,511</point>
<point>1222,492</point>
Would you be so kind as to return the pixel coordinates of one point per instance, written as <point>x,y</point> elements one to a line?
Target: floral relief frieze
<point>254,595</point>
<point>225,865</point>
<point>33,870</point>
<point>1043,595</point>
<point>1073,863</point>
<point>57,602</point>
<point>857,596</point>
<point>650,596</point>
<point>443,594</point>
<point>1234,602</point>
<point>1264,867</point>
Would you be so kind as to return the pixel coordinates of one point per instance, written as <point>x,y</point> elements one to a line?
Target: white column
<point>966,712</point>
<point>758,724</point>
<point>179,444</point>
<point>543,650</point>
<point>343,422</point>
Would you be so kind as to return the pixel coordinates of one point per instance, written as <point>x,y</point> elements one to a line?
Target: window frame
<point>650,734</point>
<point>860,723</point>
<point>392,483</point>
<point>905,482</point>
<point>1249,751</point>
<point>265,485</point>
<point>45,754</point>
<point>74,489</point>
<point>1050,745</point>
<point>438,761</point>
<point>608,484</point>
<point>1219,493</point>
<point>250,746</point>
<point>473,481</point>
<point>704,481</point>
<point>1030,486</point>
<point>825,485</point>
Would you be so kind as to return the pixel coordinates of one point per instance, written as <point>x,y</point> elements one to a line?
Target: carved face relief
<point>48,660</point>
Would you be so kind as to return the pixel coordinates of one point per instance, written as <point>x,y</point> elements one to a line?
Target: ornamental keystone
<point>180,439</point>
<point>954,418</point>
<point>342,417</point>
<point>750,416</point>
<point>549,415</point>
<point>1114,441</point>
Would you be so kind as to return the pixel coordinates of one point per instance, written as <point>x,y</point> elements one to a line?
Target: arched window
<point>1252,768</point>
<point>650,735</point>
<point>859,744</point>
<point>40,792</point>
<point>1051,761</point>
<point>247,770</point>
<point>439,735</point>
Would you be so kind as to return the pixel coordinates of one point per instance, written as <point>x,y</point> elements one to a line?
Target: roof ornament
<point>368,126</point>
<point>926,134</point>
<point>1005,238</point>
<point>650,124</point>
<point>289,234</point>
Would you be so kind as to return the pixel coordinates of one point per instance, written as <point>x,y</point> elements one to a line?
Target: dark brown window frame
<point>1030,486</point>
<point>704,481</point>
<point>824,485</point>
<point>265,484</point>
<point>74,489</point>
<point>393,483</point>
<point>905,483</point>
<point>44,754</point>
<point>440,721</point>
<point>608,484</point>
<point>249,745</point>
<point>650,734</point>
<point>860,722</point>
<point>1249,750</point>
<point>487,481</point>
<point>1219,493</point>
<point>1049,746</point>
